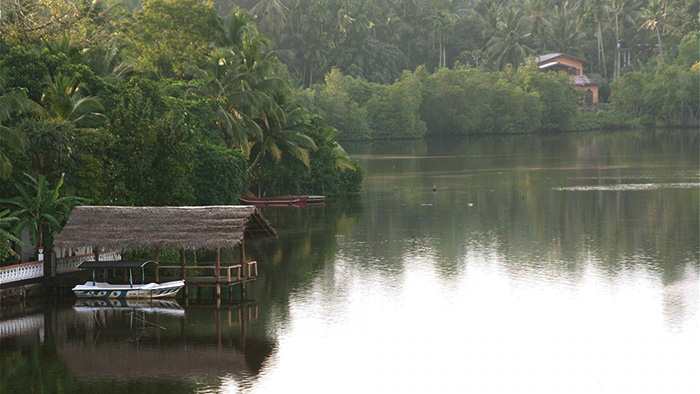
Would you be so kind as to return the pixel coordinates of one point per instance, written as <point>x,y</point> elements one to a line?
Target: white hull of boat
<point>150,290</point>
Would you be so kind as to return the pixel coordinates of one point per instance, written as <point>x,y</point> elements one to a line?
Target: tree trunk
<point>311,74</point>
<point>255,162</point>
<point>616,73</point>
<point>658,35</point>
<point>602,49</point>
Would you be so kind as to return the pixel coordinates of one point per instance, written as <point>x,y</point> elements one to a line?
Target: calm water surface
<point>542,264</point>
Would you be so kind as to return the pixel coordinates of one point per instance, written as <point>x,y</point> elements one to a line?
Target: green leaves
<point>40,208</point>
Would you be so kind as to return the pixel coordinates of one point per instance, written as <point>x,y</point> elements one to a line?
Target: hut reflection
<point>123,341</point>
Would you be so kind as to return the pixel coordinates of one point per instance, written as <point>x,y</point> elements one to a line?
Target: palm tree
<point>507,46</point>
<point>566,36</point>
<point>597,13</point>
<point>64,100</point>
<point>271,14</point>
<point>342,160</point>
<point>10,139</point>
<point>538,18</point>
<point>235,30</point>
<point>284,126</point>
<point>623,11</point>
<point>13,103</point>
<point>654,16</point>
<point>236,102</point>
<point>40,208</point>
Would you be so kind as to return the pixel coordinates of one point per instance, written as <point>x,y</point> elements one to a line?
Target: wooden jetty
<point>179,228</point>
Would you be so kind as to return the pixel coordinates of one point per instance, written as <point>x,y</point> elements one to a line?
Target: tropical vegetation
<point>177,102</point>
<point>161,102</point>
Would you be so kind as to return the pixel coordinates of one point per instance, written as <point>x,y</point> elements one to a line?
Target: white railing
<point>35,269</point>
<point>70,264</point>
<point>17,272</point>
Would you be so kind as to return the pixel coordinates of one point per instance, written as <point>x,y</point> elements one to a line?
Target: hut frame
<point>181,228</point>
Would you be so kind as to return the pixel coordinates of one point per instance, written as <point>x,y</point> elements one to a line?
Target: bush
<point>661,94</point>
<point>219,175</point>
<point>467,101</point>
<point>339,110</point>
<point>393,109</point>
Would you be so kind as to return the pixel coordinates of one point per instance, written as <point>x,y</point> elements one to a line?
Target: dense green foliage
<point>219,175</point>
<point>40,209</point>
<point>663,93</point>
<point>330,173</point>
<point>362,110</point>
<point>377,40</point>
<point>163,104</point>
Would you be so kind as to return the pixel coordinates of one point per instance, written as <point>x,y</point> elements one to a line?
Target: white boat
<point>94,289</point>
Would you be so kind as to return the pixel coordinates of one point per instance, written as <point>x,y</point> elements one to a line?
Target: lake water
<point>541,264</point>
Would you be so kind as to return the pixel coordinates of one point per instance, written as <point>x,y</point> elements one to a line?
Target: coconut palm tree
<point>654,17</point>
<point>236,102</point>
<point>235,30</point>
<point>566,36</point>
<point>538,17</point>
<point>272,15</point>
<point>508,44</point>
<point>284,126</point>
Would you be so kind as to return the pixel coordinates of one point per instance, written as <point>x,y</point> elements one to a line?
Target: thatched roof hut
<point>127,228</point>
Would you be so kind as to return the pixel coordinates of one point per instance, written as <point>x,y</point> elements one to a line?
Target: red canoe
<point>274,201</point>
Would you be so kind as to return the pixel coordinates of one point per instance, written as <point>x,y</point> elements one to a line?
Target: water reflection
<point>129,346</point>
<point>559,263</point>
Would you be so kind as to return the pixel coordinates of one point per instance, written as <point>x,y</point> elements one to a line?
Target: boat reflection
<point>112,340</point>
<point>145,306</point>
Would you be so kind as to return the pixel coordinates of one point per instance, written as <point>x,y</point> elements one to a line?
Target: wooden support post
<point>96,252</point>
<point>217,265</point>
<point>182,264</point>
<point>157,264</point>
<point>243,255</point>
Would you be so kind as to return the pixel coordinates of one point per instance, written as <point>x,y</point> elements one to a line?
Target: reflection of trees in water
<point>518,216</point>
<point>307,243</point>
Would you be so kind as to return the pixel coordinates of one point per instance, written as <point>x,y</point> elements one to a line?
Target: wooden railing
<point>35,269</point>
<point>248,270</point>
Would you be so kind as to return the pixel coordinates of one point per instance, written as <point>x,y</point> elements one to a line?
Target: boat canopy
<point>114,264</point>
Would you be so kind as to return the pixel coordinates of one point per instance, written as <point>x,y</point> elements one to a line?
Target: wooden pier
<point>237,274</point>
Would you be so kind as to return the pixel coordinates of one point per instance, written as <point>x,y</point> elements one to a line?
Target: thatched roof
<point>126,228</point>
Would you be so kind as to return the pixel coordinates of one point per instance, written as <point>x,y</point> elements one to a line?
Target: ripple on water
<point>630,187</point>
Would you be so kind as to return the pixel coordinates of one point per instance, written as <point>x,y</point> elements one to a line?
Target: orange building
<point>561,62</point>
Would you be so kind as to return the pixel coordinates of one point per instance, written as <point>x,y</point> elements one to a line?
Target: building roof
<point>588,79</point>
<point>127,228</point>
<point>550,56</point>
